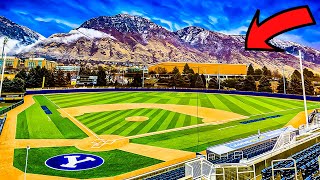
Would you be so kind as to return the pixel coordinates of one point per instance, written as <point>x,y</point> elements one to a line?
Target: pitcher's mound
<point>137,118</point>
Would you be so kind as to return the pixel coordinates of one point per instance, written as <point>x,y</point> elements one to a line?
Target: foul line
<point>75,120</point>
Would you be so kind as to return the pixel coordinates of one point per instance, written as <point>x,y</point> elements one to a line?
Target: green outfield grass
<point>116,162</point>
<point>198,139</point>
<point>34,123</point>
<point>113,122</point>
<point>245,105</point>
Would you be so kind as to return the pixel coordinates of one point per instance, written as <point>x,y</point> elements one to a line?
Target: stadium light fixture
<point>302,82</point>
<point>3,57</point>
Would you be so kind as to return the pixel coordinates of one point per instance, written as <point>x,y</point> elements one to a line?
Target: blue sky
<point>227,16</point>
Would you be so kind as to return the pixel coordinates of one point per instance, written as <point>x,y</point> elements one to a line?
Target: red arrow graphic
<point>259,34</point>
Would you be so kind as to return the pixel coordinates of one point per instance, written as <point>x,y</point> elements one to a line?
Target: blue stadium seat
<point>306,161</point>
<point>169,175</point>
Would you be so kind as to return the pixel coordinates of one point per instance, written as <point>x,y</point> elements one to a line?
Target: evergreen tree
<point>264,84</point>
<point>176,80</point>
<point>198,81</point>
<point>295,83</point>
<point>250,70</point>
<point>213,83</point>
<point>175,70</point>
<point>101,81</point>
<point>266,72</point>
<point>249,84</point>
<point>204,80</point>
<point>257,74</point>
<point>137,81</point>
<point>22,74</point>
<point>280,87</point>
<point>60,80</point>
<point>187,69</point>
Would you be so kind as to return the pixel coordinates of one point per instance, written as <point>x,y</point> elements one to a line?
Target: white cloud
<point>59,21</point>
<point>298,39</point>
<point>188,22</point>
<point>163,21</point>
<point>236,31</point>
<point>135,13</point>
<point>213,20</point>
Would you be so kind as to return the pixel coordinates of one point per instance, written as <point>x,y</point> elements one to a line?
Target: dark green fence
<point>4,111</point>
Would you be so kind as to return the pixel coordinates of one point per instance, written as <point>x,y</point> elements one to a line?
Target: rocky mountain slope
<point>19,36</point>
<point>133,38</point>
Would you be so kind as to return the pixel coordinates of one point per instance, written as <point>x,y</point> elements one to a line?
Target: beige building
<point>42,62</point>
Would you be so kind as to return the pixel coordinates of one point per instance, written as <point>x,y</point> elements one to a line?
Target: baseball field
<point>138,131</point>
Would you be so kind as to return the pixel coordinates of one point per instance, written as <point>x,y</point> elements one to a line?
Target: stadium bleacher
<point>169,175</point>
<point>306,163</point>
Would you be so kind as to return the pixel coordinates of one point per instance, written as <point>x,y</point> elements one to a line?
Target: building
<point>42,62</point>
<point>208,69</point>
<point>12,62</point>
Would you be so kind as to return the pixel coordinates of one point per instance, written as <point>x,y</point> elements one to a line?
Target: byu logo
<point>74,162</point>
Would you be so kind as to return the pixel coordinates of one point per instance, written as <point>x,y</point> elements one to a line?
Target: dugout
<point>11,97</point>
<point>236,148</point>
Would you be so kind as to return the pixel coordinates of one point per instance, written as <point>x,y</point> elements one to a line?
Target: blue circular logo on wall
<point>74,162</point>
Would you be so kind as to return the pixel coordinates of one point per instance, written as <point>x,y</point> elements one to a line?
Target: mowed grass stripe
<point>67,101</point>
<point>205,102</point>
<point>180,121</point>
<point>187,121</point>
<point>22,131</point>
<point>166,121</point>
<point>67,97</point>
<point>89,121</point>
<point>253,104</point>
<point>275,102</point>
<point>152,122</point>
<point>133,126</point>
<point>162,101</point>
<point>97,100</point>
<point>143,124</point>
<point>263,104</point>
<point>126,124</point>
<point>105,120</point>
<point>156,126</point>
<point>115,121</point>
<point>232,106</point>
<point>184,101</point>
<point>174,121</point>
<point>247,107</point>
<point>218,104</point>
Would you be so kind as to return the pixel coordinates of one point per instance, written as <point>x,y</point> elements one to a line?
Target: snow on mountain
<point>19,36</point>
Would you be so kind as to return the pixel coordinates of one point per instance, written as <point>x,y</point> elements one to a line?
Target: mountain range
<point>133,38</point>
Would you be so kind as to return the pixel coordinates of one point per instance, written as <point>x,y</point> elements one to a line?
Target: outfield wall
<point>249,93</point>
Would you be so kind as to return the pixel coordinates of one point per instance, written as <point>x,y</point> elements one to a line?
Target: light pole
<point>25,167</point>
<point>303,87</point>
<point>3,56</point>
<point>303,90</point>
<point>284,79</point>
<point>219,74</point>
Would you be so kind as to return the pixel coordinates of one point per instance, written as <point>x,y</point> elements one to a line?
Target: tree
<point>307,73</point>
<point>187,69</point>
<point>137,81</point>
<point>160,70</point>
<point>249,84</point>
<point>266,72</point>
<point>14,86</point>
<point>308,86</point>
<point>101,81</point>
<point>276,74</point>
<point>34,78</point>
<point>280,87</point>
<point>176,80</point>
<point>175,70</point>
<point>264,84</point>
<point>60,80</point>
<point>250,70</point>
<point>204,80</point>
<point>230,83</point>
<point>22,74</point>
<point>257,74</point>
<point>295,83</point>
<point>198,81</point>
<point>213,83</point>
